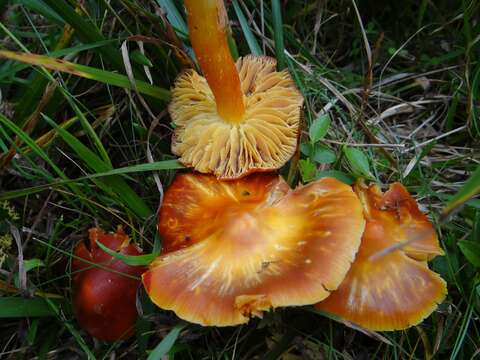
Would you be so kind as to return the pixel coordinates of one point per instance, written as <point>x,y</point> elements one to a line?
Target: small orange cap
<point>389,286</point>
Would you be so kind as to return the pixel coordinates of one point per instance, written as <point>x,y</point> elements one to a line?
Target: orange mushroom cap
<point>104,301</point>
<point>239,118</point>
<point>389,286</point>
<point>253,244</point>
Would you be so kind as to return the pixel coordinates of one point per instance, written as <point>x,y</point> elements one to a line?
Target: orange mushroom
<point>239,118</point>
<point>238,248</point>
<point>389,286</point>
<point>104,298</point>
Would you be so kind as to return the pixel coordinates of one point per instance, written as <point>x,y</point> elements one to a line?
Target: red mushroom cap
<point>104,301</point>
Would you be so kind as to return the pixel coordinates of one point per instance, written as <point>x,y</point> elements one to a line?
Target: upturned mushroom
<point>237,118</point>
<point>104,297</point>
<point>235,249</point>
<point>389,286</point>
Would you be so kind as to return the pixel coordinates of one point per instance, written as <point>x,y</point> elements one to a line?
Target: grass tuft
<point>391,94</point>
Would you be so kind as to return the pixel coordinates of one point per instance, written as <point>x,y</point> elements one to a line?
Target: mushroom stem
<point>207,22</point>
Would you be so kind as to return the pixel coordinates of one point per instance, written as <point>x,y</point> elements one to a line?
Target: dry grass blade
<point>400,245</point>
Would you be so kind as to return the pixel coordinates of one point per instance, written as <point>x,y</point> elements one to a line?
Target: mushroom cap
<point>253,244</point>
<point>105,302</point>
<point>389,286</point>
<point>266,137</point>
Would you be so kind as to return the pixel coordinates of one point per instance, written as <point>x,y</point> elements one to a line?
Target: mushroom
<point>104,298</point>
<point>239,118</point>
<point>389,286</point>
<point>235,249</point>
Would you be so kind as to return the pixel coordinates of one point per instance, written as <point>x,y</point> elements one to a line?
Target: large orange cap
<point>253,245</point>
<point>264,139</point>
<point>389,286</point>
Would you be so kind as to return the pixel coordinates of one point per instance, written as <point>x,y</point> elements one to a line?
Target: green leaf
<point>87,72</point>
<point>319,128</point>
<point>306,149</point>
<point>471,250</point>
<point>278,34</point>
<point>18,307</point>
<point>138,260</point>
<point>307,170</point>
<point>358,161</point>
<point>323,155</point>
<point>339,175</point>
<point>166,344</point>
<point>247,32</point>
<point>466,192</point>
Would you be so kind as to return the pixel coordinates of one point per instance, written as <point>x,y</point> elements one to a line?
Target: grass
<point>391,95</point>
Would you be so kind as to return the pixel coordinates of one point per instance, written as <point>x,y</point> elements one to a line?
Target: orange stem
<point>207,22</point>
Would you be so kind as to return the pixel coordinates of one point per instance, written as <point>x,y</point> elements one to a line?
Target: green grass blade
<point>89,130</point>
<point>71,328</point>
<point>292,41</point>
<point>40,7</point>
<point>138,260</point>
<point>475,95</point>
<point>281,346</point>
<point>421,13</point>
<point>18,307</point>
<point>115,183</point>
<point>39,151</point>
<point>86,31</point>
<point>464,326</point>
<point>278,34</point>
<point>87,72</point>
<point>174,17</point>
<point>166,344</point>
<point>31,143</point>
<point>466,192</point>
<point>87,155</point>
<point>247,32</point>
<point>156,166</point>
